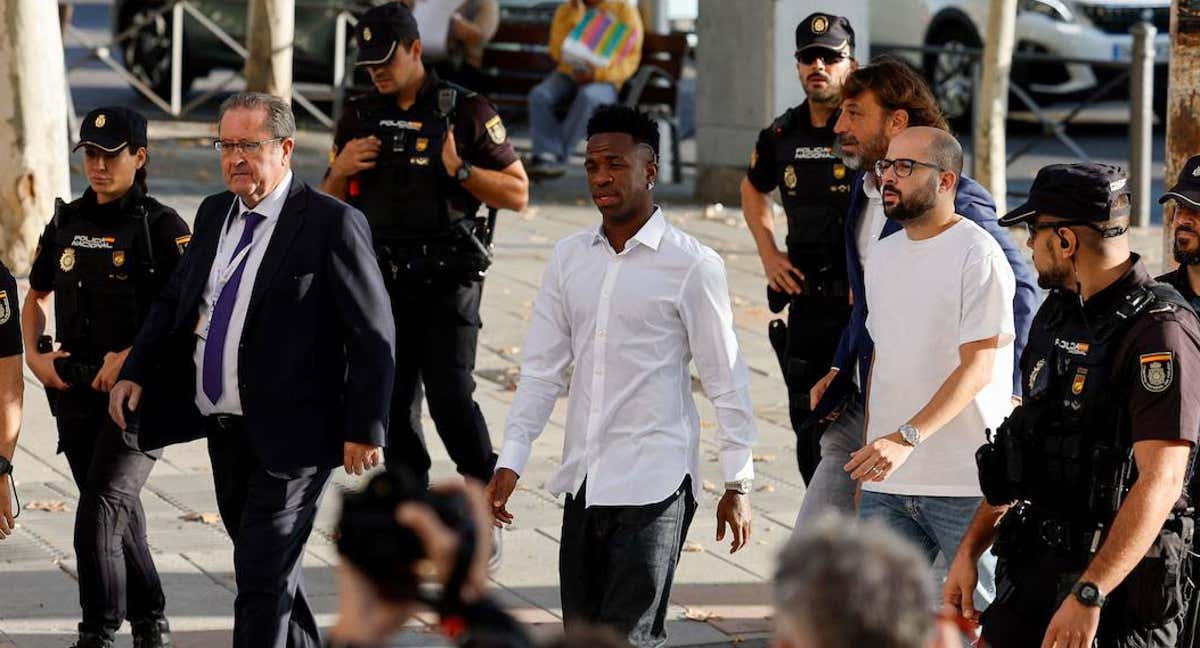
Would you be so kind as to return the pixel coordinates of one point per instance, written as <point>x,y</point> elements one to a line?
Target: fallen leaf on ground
<point>205,518</point>
<point>708,486</point>
<point>48,506</point>
<point>764,458</point>
<point>699,614</point>
<point>692,547</point>
<point>766,488</point>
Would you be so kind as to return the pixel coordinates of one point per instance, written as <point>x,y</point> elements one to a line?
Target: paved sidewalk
<point>718,599</point>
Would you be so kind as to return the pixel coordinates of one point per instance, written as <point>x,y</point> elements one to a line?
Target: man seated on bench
<point>593,62</point>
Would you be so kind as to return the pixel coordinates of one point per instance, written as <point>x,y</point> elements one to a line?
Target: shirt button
<point>600,333</point>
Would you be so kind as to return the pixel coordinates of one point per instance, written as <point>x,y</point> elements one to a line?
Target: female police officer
<point>104,257</point>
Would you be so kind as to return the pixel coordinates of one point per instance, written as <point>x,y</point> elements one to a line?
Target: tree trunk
<point>271,26</point>
<point>33,126</point>
<point>1183,104</point>
<point>992,102</point>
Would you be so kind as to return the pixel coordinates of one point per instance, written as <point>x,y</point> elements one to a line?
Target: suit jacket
<point>317,353</point>
<point>972,201</point>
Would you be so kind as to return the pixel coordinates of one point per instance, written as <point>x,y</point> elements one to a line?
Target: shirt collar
<point>271,206</point>
<point>1107,299</point>
<point>650,234</point>
<point>870,188</point>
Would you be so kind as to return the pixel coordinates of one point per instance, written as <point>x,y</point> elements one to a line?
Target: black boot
<point>89,640</point>
<point>152,634</point>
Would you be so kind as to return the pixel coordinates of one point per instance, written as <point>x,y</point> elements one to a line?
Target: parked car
<point>1085,30</point>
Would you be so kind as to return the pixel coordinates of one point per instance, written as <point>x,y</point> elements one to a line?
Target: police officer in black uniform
<point>796,155</point>
<point>419,157</point>
<point>1089,472</point>
<point>11,390</point>
<point>104,257</point>
<point>1186,237</point>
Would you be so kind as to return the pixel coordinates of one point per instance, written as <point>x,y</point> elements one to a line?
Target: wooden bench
<point>518,58</point>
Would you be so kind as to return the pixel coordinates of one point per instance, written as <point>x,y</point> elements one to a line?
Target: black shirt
<point>10,320</point>
<point>1178,278</point>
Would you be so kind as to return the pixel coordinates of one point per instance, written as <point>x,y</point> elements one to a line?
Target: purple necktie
<point>218,325</point>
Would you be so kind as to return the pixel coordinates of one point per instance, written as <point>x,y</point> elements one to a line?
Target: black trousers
<point>437,331</point>
<point>616,563</point>
<point>814,328</point>
<point>117,577</point>
<point>269,516</point>
<point>1030,590</point>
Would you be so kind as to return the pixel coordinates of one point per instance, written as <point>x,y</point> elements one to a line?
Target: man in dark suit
<point>273,338</point>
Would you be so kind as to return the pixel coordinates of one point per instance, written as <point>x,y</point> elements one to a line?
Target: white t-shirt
<point>925,299</point>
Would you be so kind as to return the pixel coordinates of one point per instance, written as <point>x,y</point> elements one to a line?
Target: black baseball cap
<point>380,31</point>
<point>827,31</point>
<point>1187,190</point>
<point>1084,193</point>
<point>112,128</point>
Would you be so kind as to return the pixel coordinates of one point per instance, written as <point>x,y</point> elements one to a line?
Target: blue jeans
<point>559,138</point>
<point>934,524</point>
<point>831,489</point>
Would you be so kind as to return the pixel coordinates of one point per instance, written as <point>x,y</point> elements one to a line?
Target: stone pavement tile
<point>686,632</point>
<point>735,608</point>
<point>529,570</point>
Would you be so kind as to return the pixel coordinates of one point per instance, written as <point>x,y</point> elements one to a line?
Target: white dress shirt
<point>631,323</point>
<point>269,208</point>
<point>868,229</point>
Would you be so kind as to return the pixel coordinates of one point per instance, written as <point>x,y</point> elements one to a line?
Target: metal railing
<point>173,105</point>
<point>1138,73</point>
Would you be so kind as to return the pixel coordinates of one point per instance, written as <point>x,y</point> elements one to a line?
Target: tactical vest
<point>814,186</point>
<point>101,277</point>
<point>408,194</point>
<point>1067,449</point>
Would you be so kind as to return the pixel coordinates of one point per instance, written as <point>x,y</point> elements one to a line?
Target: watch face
<point>1089,592</point>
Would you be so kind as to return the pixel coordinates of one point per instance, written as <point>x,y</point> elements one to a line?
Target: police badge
<point>101,120</point>
<point>1157,371</point>
<point>5,307</point>
<point>118,258</point>
<point>67,260</point>
<point>789,177</point>
<point>496,130</point>
<point>839,171</point>
<point>820,25</point>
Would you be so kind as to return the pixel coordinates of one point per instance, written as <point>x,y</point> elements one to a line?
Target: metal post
<point>339,65</point>
<point>1141,94</point>
<point>177,59</point>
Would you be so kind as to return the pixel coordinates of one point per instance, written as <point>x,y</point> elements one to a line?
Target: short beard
<point>830,97</point>
<point>1185,258</point>
<point>922,202</point>
<point>1054,278</point>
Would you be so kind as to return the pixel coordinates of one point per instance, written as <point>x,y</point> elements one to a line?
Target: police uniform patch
<point>1157,371</point>
<point>419,161</point>
<point>181,243</point>
<point>839,171</point>
<point>820,25</point>
<point>1079,381</point>
<point>367,34</point>
<point>101,120</point>
<point>496,130</point>
<point>67,260</point>
<point>118,258</point>
<point>1036,372</point>
<point>5,307</point>
<point>789,177</point>
<point>422,144</point>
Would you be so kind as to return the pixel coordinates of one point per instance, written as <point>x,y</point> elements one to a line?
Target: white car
<point>1084,30</point>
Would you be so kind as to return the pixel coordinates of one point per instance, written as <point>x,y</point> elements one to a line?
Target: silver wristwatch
<point>910,434</point>
<point>741,486</point>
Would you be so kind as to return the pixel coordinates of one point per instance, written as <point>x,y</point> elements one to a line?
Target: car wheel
<point>950,72</point>
<point>147,53</point>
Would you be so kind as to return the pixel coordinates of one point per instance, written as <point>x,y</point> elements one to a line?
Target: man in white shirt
<point>940,310</point>
<point>630,304</point>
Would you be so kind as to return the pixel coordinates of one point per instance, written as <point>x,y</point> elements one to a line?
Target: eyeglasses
<point>903,167</point>
<point>224,146</point>
<point>810,56</point>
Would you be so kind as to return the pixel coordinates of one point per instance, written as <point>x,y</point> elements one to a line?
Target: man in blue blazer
<point>273,338</point>
<point>879,101</point>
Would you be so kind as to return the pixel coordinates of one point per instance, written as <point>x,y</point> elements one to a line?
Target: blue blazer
<point>973,202</point>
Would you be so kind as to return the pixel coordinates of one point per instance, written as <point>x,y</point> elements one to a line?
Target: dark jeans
<point>269,516</point>
<point>436,335</point>
<point>616,563</point>
<point>117,577</point>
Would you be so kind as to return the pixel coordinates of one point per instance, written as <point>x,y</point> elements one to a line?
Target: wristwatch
<point>1088,593</point>
<point>910,434</point>
<point>740,486</point>
<point>464,172</point>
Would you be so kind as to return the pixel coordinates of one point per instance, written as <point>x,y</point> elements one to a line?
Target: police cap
<point>381,30</point>
<point>1085,192</point>
<point>112,128</point>
<point>1187,190</point>
<point>827,31</point>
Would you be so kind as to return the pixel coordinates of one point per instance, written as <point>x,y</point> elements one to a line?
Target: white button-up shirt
<point>869,227</point>
<point>269,208</point>
<point>631,323</point>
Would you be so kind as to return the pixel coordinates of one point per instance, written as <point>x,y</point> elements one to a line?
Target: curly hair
<point>897,86</point>
<point>615,118</point>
